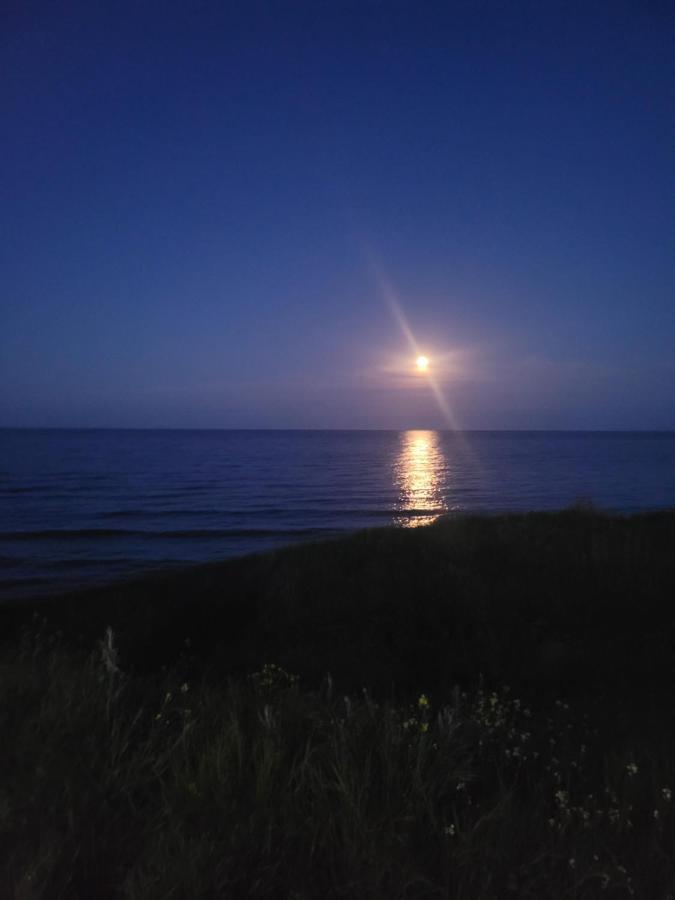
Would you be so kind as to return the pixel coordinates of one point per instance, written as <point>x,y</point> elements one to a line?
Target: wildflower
<point>184,688</point>
<point>423,701</point>
<point>572,863</point>
<point>449,830</point>
<point>562,798</point>
<point>667,794</point>
<point>424,727</point>
<point>632,769</point>
<point>655,814</point>
<point>168,697</point>
<point>272,677</point>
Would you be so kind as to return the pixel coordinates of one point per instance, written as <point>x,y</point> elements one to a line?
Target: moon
<point>422,363</point>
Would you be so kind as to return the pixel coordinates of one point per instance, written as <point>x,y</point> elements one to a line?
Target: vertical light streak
<point>394,305</point>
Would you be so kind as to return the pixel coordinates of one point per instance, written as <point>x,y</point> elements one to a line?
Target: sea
<point>89,507</point>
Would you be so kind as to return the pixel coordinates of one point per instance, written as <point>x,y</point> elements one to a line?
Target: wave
<point>33,489</point>
<point>11,562</point>
<point>87,533</point>
<point>361,513</point>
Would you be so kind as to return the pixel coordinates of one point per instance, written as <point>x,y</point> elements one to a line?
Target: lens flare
<point>422,363</point>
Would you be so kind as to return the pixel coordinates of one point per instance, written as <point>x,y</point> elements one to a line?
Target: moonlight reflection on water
<point>419,472</point>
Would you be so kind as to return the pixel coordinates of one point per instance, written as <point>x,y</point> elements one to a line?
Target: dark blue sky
<point>211,212</point>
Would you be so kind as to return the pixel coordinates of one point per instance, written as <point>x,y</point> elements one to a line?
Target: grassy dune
<point>478,709</point>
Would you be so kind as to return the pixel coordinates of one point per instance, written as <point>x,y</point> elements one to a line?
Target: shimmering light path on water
<point>421,472</point>
<point>92,506</point>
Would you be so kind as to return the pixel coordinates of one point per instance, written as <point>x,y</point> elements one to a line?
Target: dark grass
<point>541,766</point>
<point>577,598</point>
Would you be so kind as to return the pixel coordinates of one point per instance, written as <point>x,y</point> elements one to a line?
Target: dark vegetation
<point>516,734</point>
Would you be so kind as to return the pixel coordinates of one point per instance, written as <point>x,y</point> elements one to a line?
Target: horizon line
<point>345,430</point>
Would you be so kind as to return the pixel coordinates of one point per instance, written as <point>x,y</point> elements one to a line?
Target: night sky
<point>228,214</point>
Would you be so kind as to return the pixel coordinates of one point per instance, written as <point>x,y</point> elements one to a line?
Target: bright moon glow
<point>422,363</point>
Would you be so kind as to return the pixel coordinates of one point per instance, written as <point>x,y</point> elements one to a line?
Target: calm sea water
<point>93,506</point>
